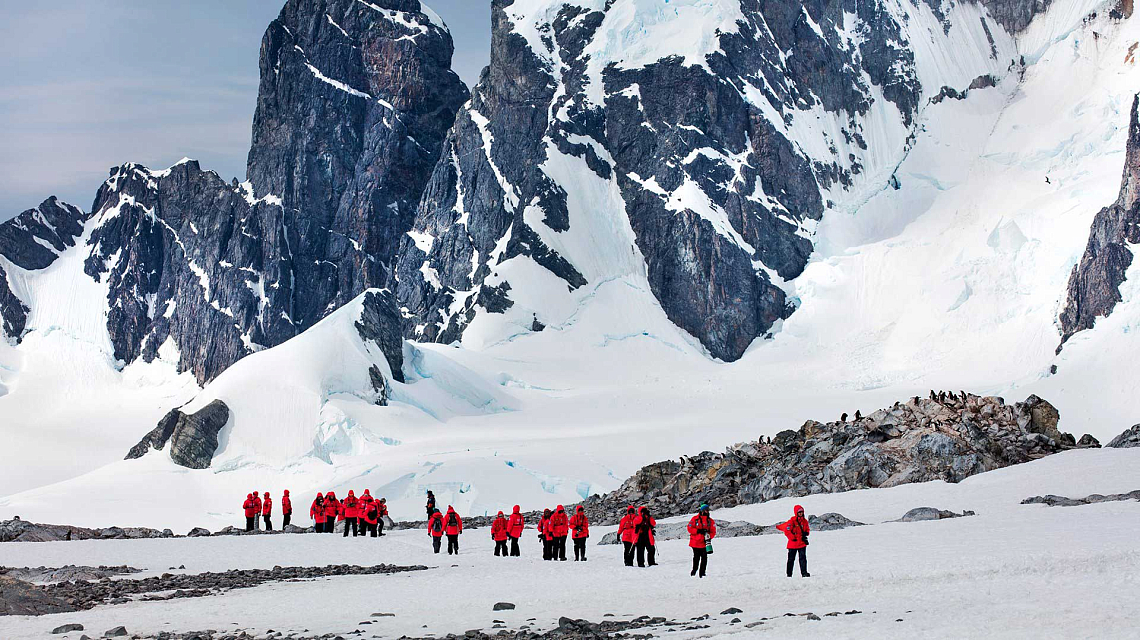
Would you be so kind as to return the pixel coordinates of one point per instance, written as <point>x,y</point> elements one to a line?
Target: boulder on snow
<point>1061,501</point>
<point>67,628</point>
<point>503,606</point>
<point>1130,438</point>
<point>198,532</point>
<point>921,514</point>
<point>116,632</point>
<point>23,531</point>
<point>193,438</point>
<point>19,598</point>
<point>1088,442</point>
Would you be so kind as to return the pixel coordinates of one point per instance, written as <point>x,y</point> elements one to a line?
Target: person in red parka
<point>646,528</point>
<point>544,535</point>
<point>250,511</point>
<point>797,530</point>
<point>351,510</point>
<point>702,529</point>
<point>381,513</point>
<point>286,509</point>
<point>580,530</point>
<point>454,527</point>
<point>332,510</point>
<point>317,513</point>
<point>267,511</point>
<point>256,511</point>
<point>627,534</point>
<point>369,515</point>
<point>560,528</point>
<point>435,529</point>
<point>515,527</point>
<point>499,528</point>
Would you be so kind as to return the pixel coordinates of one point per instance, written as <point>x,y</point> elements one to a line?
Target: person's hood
<point>435,511</point>
<point>561,509</point>
<point>266,494</point>
<point>366,492</point>
<point>255,494</point>
<point>249,496</point>
<point>320,495</point>
<point>450,509</point>
<point>516,509</point>
<point>500,514</point>
<point>799,510</point>
<point>546,513</point>
<point>629,509</point>
<point>581,508</point>
<point>383,500</point>
<point>285,493</point>
<point>351,494</point>
<point>331,494</point>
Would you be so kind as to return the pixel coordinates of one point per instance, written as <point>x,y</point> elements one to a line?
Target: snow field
<point>1016,571</point>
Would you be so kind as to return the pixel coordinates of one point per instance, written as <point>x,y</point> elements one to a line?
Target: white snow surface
<point>1015,571</point>
<point>953,281</point>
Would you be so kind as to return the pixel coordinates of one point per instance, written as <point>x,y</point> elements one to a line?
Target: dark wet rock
<point>503,606</point>
<point>1015,15</point>
<point>67,628</point>
<point>1130,438</point>
<point>1088,442</point>
<point>949,436</point>
<point>42,575</point>
<point>198,532</point>
<point>193,438</point>
<point>116,632</point>
<point>730,611</point>
<point>1094,285</point>
<point>921,514</point>
<point>1061,501</point>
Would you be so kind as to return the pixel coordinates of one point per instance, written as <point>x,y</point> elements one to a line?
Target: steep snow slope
<point>952,280</point>
<point>1021,571</point>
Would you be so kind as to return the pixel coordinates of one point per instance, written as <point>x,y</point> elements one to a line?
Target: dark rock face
<point>947,437</point>
<point>193,438</point>
<point>1015,15</point>
<point>1130,438</point>
<point>354,103</point>
<point>379,324</point>
<point>32,241</point>
<point>24,531</point>
<point>1094,285</point>
<point>718,199</point>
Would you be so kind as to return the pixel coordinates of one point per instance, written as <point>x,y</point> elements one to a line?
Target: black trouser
<point>452,543</point>
<point>580,548</point>
<point>350,523</point>
<point>547,548</point>
<point>641,549</point>
<point>700,560</point>
<point>379,525</point>
<point>436,541</point>
<point>285,520</point>
<point>501,545</point>
<point>628,553</point>
<point>515,547</point>
<point>367,528</point>
<point>560,548</point>
<point>249,522</point>
<point>330,525</point>
<point>268,523</point>
<point>792,561</point>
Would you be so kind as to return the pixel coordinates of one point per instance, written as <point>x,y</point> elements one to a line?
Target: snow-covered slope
<point>942,263</point>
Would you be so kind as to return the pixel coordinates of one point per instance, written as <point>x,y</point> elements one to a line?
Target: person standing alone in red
<point>286,509</point>
<point>351,508</point>
<point>499,534</point>
<point>702,529</point>
<point>797,530</point>
<point>332,510</point>
<point>454,526</point>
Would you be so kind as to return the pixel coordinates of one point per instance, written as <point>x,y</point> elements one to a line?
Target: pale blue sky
<point>86,85</point>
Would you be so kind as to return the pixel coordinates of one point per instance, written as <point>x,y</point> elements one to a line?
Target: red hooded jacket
<point>796,529</point>
<point>580,524</point>
<point>559,523</point>
<point>382,507</point>
<point>249,506</point>
<point>351,506</point>
<point>643,523</point>
<point>317,511</point>
<point>267,506</point>
<point>700,521</point>
<point>545,530</point>
<point>453,522</point>
<point>256,504</point>
<point>332,506</point>
<point>435,524</point>
<point>286,504</point>
<point>499,528</point>
<point>368,510</point>
<point>625,527</point>
<point>515,524</point>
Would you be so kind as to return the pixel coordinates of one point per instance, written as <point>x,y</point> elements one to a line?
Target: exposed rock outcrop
<point>193,438</point>
<point>922,514</point>
<point>1061,501</point>
<point>1094,285</point>
<point>1130,438</point>
<point>23,531</point>
<point>945,437</point>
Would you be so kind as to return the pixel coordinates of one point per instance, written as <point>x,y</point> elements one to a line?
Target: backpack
<point>437,524</point>
<point>371,512</point>
<point>451,522</point>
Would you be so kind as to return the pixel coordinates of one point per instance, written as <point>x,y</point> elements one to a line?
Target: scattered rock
<point>730,611</point>
<point>921,514</point>
<point>1128,439</point>
<point>117,632</point>
<point>383,615</point>
<point>67,628</point>
<point>198,532</point>
<point>1088,442</point>
<point>1061,501</point>
<point>812,616</point>
<point>503,606</point>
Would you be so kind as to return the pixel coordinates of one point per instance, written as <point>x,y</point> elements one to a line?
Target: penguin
<point>843,418</point>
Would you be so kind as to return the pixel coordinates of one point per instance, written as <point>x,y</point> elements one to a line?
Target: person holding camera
<point>580,526</point>
<point>702,529</point>
<point>797,530</point>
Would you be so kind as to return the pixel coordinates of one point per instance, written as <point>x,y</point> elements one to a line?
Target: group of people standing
<point>259,509</point>
<point>555,527</point>
<point>362,516</point>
